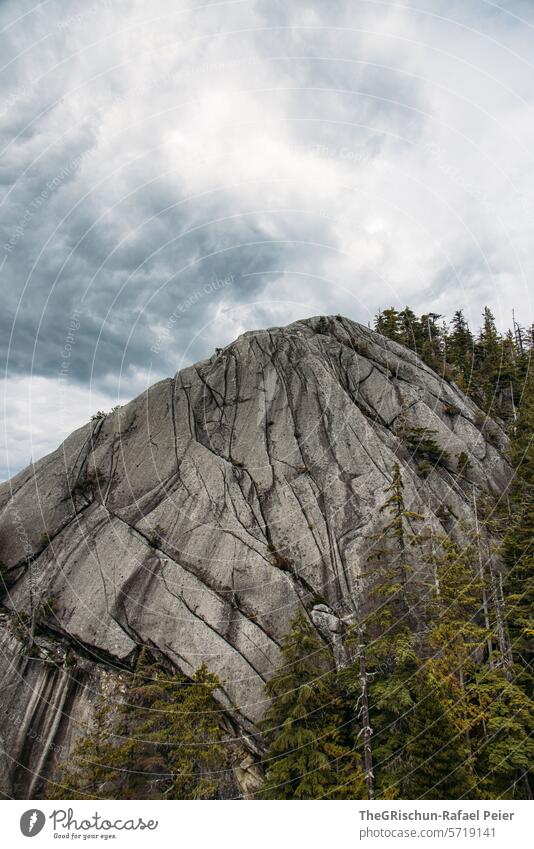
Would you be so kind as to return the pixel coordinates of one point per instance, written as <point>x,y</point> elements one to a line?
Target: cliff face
<point>197,518</point>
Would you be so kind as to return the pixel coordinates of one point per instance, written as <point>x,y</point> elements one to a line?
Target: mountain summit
<point>200,517</point>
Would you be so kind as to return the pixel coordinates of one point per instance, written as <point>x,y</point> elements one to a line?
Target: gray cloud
<point>325,156</point>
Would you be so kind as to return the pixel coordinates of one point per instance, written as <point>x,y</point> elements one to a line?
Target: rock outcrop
<point>197,519</point>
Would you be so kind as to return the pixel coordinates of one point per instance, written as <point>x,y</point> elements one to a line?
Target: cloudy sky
<point>174,173</point>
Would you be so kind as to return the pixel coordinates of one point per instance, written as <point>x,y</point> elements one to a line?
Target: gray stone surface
<point>198,517</point>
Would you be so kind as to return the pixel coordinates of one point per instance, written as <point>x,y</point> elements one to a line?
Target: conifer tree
<point>489,711</point>
<point>353,683</point>
<point>390,551</point>
<point>391,698</point>
<point>518,546</point>
<point>456,605</point>
<point>200,764</point>
<point>391,630</point>
<point>308,757</point>
<point>455,637</point>
<point>524,344</point>
<point>423,447</point>
<point>490,369</point>
<point>87,774</point>
<point>503,742</point>
<point>433,346</point>
<point>428,707</point>
<point>489,338</point>
<point>172,736</point>
<point>387,323</point>
<point>411,332</point>
<point>460,350</point>
<point>488,362</point>
<point>163,742</point>
<point>437,762</point>
<point>509,377</point>
<point>142,768</point>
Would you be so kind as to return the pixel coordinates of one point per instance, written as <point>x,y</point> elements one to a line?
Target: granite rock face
<point>197,519</point>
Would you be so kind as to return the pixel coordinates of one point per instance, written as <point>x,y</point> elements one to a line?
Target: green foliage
<point>394,505</point>
<point>324,325</point>
<point>89,483</point>
<point>423,335</point>
<point>458,587</point>
<point>437,757</point>
<point>44,539</point>
<point>392,663</point>
<point>46,608</point>
<point>424,468</point>
<point>451,409</point>
<point>422,445</point>
<point>163,742</point>
<point>156,536</point>
<point>489,710</point>
<point>460,350</point>
<point>463,464</point>
<point>387,323</point>
<point>309,756</point>
<point>488,352</point>
<point>518,548</point>
<point>281,560</point>
<point>447,720</point>
<point>87,775</point>
<point>390,626</point>
<point>19,625</point>
<point>451,716</point>
<point>389,563</point>
<point>454,637</point>
<point>490,368</point>
<point>502,735</point>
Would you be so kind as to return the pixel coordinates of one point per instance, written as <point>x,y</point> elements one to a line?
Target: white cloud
<point>332,156</point>
<point>38,413</point>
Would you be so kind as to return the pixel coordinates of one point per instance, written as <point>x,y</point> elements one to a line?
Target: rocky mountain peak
<point>199,517</point>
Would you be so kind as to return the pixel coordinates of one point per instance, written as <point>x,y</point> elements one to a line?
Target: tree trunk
<point>483,583</point>
<point>498,604</point>
<point>464,712</point>
<point>366,725</point>
<point>504,641</point>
